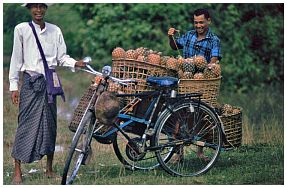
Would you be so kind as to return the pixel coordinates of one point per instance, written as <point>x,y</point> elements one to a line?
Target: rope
<point>175,42</point>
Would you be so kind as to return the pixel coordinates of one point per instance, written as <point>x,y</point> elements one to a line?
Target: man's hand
<point>171,31</point>
<point>80,63</point>
<point>15,97</point>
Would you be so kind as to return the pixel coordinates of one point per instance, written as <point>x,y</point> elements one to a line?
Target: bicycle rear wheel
<point>193,132</point>
<point>79,149</point>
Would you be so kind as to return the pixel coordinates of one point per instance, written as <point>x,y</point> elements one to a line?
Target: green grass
<point>259,160</point>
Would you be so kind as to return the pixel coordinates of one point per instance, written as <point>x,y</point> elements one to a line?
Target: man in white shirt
<point>36,132</point>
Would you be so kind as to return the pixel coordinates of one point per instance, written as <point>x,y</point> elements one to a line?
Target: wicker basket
<point>232,124</point>
<point>138,70</point>
<point>81,108</point>
<point>129,89</point>
<point>208,87</point>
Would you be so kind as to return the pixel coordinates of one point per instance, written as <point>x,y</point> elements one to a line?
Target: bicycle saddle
<point>162,81</point>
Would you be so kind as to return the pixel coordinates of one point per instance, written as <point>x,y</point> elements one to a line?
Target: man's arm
<point>15,66</point>
<point>63,58</point>
<point>172,41</point>
<point>216,51</point>
<point>16,61</point>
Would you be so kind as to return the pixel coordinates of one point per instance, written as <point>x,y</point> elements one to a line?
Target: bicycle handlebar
<point>118,80</point>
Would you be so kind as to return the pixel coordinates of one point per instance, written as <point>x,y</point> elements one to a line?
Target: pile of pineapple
<point>226,109</point>
<point>190,68</point>
<point>139,54</point>
<point>197,68</point>
<point>146,55</point>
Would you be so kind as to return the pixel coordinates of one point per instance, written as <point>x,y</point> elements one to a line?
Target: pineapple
<point>171,63</point>
<point>118,53</point>
<point>180,61</point>
<point>227,109</point>
<point>154,58</point>
<point>141,58</point>
<point>198,76</point>
<point>130,54</point>
<point>180,73</point>
<point>236,111</point>
<point>163,60</point>
<point>140,51</point>
<point>213,70</point>
<point>200,63</point>
<point>208,73</point>
<point>188,67</point>
<point>187,75</point>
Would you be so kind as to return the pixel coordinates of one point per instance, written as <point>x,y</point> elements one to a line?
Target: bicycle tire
<point>188,126</point>
<point>68,178</point>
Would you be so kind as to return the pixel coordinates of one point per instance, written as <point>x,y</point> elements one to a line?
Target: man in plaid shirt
<point>200,41</point>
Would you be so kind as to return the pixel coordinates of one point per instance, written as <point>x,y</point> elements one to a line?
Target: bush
<point>251,34</point>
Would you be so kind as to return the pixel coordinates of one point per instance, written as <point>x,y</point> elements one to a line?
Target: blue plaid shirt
<point>208,47</point>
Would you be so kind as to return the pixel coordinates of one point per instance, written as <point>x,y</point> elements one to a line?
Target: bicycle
<point>173,123</point>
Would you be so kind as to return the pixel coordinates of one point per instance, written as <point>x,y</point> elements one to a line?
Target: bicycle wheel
<point>79,149</point>
<point>130,155</point>
<point>193,132</point>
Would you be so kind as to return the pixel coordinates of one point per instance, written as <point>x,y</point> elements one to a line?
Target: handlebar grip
<point>87,60</point>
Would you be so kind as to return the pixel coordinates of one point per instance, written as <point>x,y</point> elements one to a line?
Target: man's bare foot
<point>176,158</point>
<point>52,175</point>
<point>17,179</point>
<point>202,156</point>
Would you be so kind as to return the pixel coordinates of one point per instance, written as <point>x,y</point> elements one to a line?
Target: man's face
<point>201,24</point>
<point>38,11</point>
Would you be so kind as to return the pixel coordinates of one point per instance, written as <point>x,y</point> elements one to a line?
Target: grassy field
<point>260,160</point>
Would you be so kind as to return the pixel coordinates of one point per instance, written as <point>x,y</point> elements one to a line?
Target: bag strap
<point>40,48</point>
<point>48,74</point>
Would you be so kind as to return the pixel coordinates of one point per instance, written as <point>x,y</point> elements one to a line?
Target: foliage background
<point>251,34</point>
<point>252,46</point>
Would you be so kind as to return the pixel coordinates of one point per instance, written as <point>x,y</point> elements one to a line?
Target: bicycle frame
<point>153,105</point>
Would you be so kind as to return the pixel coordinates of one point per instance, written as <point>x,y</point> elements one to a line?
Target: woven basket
<point>129,89</point>
<point>138,70</point>
<point>232,124</point>
<point>208,87</point>
<point>81,108</point>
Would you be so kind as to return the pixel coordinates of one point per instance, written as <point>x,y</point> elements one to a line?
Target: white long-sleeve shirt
<point>26,55</point>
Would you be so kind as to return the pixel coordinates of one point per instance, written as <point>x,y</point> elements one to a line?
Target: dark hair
<point>30,4</point>
<point>201,11</point>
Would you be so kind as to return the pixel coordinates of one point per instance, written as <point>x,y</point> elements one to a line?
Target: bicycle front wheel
<point>79,149</point>
<point>193,132</point>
